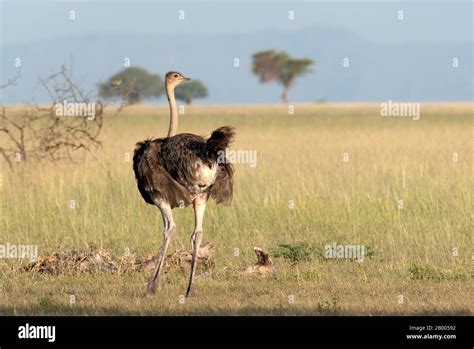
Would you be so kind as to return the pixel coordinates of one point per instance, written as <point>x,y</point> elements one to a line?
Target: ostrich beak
<point>187,79</point>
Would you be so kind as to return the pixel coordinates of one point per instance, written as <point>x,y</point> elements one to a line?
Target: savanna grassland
<point>300,191</point>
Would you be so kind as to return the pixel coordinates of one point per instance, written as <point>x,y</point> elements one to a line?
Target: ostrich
<point>181,169</point>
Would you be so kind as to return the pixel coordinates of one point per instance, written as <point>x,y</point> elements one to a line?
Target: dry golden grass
<point>300,158</point>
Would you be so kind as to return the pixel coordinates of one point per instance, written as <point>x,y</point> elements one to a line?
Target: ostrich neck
<point>173,111</point>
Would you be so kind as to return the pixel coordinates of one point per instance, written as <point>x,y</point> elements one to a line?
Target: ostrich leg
<point>199,205</point>
<point>169,229</point>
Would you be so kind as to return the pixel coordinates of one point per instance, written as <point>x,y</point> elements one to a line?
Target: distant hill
<point>419,72</point>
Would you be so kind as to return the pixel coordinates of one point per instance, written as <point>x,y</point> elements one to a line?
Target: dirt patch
<point>101,260</point>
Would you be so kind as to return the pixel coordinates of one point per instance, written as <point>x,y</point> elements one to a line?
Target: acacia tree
<point>191,90</point>
<point>279,66</point>
<point>145,85</point>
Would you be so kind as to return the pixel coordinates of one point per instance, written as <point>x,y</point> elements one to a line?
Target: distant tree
<point>191,90</point>
<point>280,66</point>
<point>137,83</point>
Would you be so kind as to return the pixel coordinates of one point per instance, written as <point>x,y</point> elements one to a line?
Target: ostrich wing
<point>153,180</point>
<point>178,168</point>
<point>185,153</point>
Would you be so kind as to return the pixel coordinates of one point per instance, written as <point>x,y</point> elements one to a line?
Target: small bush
<point>328,307</point>
<point>293,252</point>
<point>369,252</point>
<point>46,303</point>
<point>425,272</point>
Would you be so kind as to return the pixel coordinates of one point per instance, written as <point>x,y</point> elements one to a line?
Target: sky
<point>390,58</point>
<point>427,21</point>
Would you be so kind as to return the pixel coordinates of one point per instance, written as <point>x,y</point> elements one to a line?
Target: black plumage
<point>168,168</point>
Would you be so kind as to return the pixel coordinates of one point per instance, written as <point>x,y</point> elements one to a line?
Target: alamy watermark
<point>237,157</point>
<point>85,110</point>
<point>409,109</point>
<point>336,251</point>
<point>12,251</point>
<point>37,332</point>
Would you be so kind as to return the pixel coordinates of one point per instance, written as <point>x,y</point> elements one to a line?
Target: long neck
<point>173,111</point>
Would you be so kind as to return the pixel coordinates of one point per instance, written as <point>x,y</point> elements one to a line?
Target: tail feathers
<point>140,169</point>
<point>221,138</point>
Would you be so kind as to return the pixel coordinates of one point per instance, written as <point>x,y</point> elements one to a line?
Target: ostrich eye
<point>175,75</point>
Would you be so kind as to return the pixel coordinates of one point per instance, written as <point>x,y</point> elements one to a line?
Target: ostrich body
<point>179,170</point>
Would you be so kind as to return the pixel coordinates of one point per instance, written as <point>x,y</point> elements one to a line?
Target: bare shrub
<point>41,133</point>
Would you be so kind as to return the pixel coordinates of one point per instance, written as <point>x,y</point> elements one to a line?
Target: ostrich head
<point>174,78</point>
